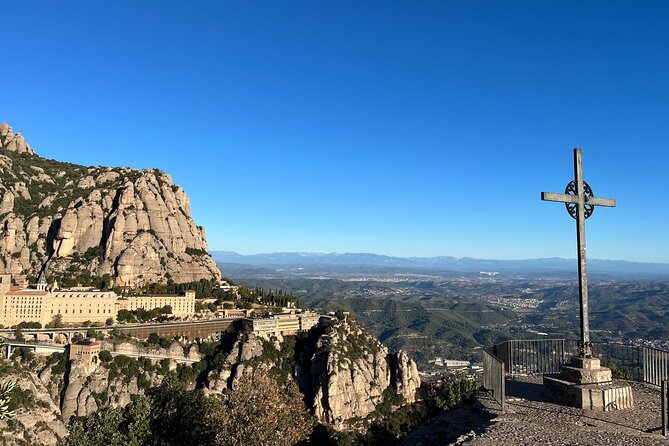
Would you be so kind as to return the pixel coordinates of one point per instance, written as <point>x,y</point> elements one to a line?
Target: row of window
<point>68,295</point>
<point>81,311</point>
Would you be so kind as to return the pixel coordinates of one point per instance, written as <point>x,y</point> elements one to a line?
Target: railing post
<point>644,365</point>
<point>665,397</point>
<point>510,363</point>
<point>502,380</point>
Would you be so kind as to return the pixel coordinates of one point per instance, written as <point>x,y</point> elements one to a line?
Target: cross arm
<point>562,198</point>
<point>608,202</point>
<point>567,198</point>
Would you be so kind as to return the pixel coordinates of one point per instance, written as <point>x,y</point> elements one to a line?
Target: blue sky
<point>401,128</point>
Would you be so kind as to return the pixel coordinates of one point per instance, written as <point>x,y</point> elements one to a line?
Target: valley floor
<point>532,420</point>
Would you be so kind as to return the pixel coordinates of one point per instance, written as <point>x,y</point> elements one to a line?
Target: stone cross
<point>580,203</point>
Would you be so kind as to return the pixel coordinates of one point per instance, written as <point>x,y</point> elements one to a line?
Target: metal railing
<point>532,357</point>
<point>624,360</point>
<point>655,365</point>
<point>494,378</point>
<point>544,356</point>
<point>665,406</point>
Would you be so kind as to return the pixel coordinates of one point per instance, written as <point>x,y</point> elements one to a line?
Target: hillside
<point>76,222</point>
<point>336,376</point>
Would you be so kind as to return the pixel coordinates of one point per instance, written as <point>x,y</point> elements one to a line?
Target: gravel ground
<point>532,420</point>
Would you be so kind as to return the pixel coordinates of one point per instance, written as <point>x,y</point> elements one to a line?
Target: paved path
<point>532,420</point>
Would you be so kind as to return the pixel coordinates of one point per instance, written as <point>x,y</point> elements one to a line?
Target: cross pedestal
<point>584,382</point>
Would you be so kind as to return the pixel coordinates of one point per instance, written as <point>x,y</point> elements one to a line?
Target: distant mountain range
<point>446,263</point>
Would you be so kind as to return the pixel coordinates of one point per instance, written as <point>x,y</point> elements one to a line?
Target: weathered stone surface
<point>585,363</point>
<point>78,395</point>
<point>405,376</point>
<point>586,376</point>
<point>585,371</point>
<point>349,373</point>
<point>40,425</point>
<point>609,396</point>
<point>13,142</point>
<point>135,226</point>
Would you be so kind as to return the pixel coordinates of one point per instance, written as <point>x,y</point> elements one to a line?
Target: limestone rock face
<point>347,375</point>
<point>134,225</point>
<point>13,142</point>
<point>405,376</point>
<point>237,363</point>
<point>79,394</point>
<point>40,425</point>
<point>342,370</point>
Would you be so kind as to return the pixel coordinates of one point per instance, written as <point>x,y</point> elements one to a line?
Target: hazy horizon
<point>214,251</point>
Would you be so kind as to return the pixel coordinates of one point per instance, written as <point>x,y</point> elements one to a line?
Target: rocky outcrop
<point>39,424</point>
<point>176,351</point>
<point>343,371</point>
<point>236,362</point>
<point>349,372</point>
<point>84,393</point>
<point>13,142</point>
<point>135,226</point>
<point>404,376</point>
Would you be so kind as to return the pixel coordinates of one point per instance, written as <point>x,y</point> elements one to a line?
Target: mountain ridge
<point>464,264</point>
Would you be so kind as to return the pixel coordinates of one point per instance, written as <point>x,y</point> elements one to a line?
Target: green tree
<point>105,356</point>
<point>101,428</point>
<point>125,316</point>
<point>153,339</point>
<point>138,423</point>
<point>56,321</point>
<point>261,412</point>
<point>183,416</point>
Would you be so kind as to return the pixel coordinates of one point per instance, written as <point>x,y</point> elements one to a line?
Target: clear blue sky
<point>401,128</point>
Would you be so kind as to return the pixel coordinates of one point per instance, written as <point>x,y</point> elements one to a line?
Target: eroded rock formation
<point>343,372</point>
<point>349,372</point>
<point>134,225</point>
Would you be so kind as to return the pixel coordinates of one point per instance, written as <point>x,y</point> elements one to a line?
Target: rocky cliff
<point>350,373</point>
<point>77,221</point>
<point>344,373</point>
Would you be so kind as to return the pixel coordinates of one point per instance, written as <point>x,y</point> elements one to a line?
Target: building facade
<point>182,306</point>
<point>78,305</point>
<point>283,324</point>
<point>86,351</point>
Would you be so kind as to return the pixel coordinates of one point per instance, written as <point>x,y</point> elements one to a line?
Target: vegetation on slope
<point>257,412</point>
